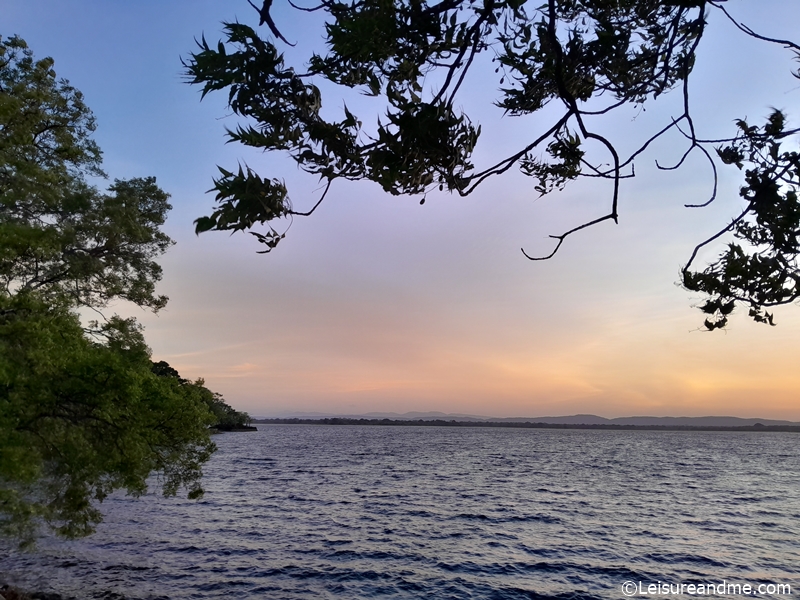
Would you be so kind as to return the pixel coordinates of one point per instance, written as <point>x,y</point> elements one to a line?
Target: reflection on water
<point>419,512</point>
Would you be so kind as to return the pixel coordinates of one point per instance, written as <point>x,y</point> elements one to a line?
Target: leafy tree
<point>80,418</point>
<point>226,418</point>
<point>61,236</point>
<point>588,58</point>
<point>81,411</point>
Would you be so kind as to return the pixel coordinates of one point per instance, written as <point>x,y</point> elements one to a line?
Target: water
<point>302,512</point>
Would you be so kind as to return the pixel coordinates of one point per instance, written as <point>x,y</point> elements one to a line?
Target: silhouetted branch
<point>264,17</point>
<point>604,174</point>
<point>563,236</point>
<point>571,103</point>
<point>316,8</point>
<point>751,33</point>
<point>606,109</point>
<point>650,140</point>
<point>472,54</point>
<point>716,180</point>
<point>306,214</point>
<point>717,235</point>
<point>475,31</point>
<point>509,162</point>
<point>680,162</point>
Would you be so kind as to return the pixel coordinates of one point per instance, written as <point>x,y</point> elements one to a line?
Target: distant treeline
<point>521,425</point>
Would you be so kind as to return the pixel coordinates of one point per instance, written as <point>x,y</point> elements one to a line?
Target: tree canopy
<point>61,236</point>
<point>226,418</point>
<point>82,417</point>
<point>585,59</point>
<point>83,410</point>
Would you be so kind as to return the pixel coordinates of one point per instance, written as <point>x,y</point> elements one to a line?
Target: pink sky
<point>379,304</point>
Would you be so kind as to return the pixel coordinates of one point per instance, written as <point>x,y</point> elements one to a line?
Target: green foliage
<point>60,235</point>
<point>225,417</point>
<point>46,127</point>
<point>81,411</point>
<point>585,58</point>
<point>83,417</point>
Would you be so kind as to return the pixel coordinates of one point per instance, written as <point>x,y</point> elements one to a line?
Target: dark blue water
<point>302,512</point>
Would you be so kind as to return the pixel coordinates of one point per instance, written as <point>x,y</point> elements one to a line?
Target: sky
<point>379,304</point>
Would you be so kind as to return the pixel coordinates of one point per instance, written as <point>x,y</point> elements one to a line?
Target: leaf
<point>204,224</point>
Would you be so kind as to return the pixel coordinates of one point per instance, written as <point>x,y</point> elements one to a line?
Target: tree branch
<point>264,17</point>
<point>785,43</point>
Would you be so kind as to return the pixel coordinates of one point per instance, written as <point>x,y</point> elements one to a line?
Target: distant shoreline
<point>522,425</point>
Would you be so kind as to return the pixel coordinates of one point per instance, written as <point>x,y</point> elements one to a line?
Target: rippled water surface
<point>302,512</point>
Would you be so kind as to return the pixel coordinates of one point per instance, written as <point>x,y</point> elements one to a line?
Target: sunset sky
<point>377,303</point>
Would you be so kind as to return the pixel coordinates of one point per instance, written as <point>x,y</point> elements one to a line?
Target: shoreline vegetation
<point>84,411</point>
<point>237,429</point>
<point>523,425</point>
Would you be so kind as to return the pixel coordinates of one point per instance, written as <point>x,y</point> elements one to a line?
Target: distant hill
<point>643,421</point>
<point>701,421</point>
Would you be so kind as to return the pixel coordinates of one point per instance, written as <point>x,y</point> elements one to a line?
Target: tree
<point>226,418</point>
<point>589,58</point>
<point>81,411</point>
<point>61,236</point>
<point>81,418</point>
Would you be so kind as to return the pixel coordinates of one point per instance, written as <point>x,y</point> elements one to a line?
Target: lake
<point>351,512</point>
